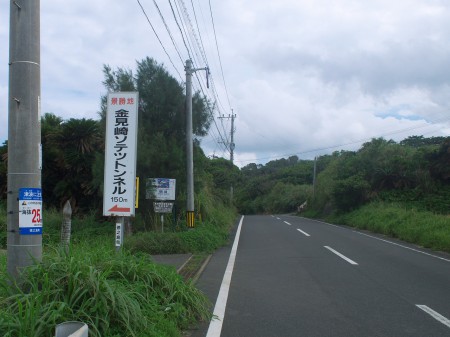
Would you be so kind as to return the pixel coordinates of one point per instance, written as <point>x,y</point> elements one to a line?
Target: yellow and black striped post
<point>190,219</point>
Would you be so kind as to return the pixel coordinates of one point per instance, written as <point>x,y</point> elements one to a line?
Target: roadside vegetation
<point>398,189</point>
<point>119,294</point>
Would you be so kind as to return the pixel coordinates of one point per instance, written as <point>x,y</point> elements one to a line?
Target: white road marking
<point>376,238</point>
<point>287,223</point>
<point>437,316</point>
<point>278,218</point>
<point>304,233</point>
<point>215,326</point>
<point>341,256</point>
<point>399,245</point>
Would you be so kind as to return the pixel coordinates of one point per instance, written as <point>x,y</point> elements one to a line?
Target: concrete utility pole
<point>24,131</point>
<point>232,146</point>
<point>314,177</point>
<point>190,212</point>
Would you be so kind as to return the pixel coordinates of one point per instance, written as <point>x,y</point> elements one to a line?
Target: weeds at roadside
<point>115,294</point>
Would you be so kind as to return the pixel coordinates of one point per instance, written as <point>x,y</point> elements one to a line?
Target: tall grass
<point>115,294</point>
<point>420,227</point>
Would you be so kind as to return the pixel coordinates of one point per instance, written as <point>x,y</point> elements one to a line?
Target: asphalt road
<point>299,277</point>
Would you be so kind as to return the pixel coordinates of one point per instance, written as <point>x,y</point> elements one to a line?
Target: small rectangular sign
<point>160,189</point>
<point>162,207</point>
<point>120,154</point>
<point>30,211</point>
<point>119,234</point>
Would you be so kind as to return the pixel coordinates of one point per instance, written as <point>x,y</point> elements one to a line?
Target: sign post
<point>120,158</point>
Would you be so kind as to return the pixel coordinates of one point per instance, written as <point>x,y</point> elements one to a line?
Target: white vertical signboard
<point>120,154</point>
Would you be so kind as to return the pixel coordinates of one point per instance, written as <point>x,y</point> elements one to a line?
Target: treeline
<point>415,171</point>
<point>73,149</point>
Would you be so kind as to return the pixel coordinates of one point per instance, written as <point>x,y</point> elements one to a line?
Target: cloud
<point>300,75</point>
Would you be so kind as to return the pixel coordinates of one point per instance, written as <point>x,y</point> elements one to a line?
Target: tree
<point>72,148</point>
<point>162,132</point>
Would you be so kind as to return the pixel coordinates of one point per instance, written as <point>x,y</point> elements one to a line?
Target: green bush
<point>420,227</point>
<point>350,193</point>
<point>156,243</point>
<point>115,294</point>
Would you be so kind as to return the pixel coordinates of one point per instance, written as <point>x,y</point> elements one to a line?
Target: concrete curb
<point>184,264</point>
<point>201,269</point>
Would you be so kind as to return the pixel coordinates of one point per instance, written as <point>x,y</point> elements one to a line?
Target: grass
<point>115,294</point>
<point>205,237</point>
<point>424,228</point>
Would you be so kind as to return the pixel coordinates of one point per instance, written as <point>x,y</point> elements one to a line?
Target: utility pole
<point>190,211</point>
<point>314,177</point>
<point>24,238</point>
<point>232,146</point>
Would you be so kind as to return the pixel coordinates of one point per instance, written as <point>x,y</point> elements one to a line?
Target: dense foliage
<point>415,171</point>
<point>115,294</point>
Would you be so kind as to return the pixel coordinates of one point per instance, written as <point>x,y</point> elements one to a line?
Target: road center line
<point>304,233</point>
<point>437,316</point>
<point>278,218</point>
<point>215,326</point>
<point>341,256</point>
<point>287,223</point>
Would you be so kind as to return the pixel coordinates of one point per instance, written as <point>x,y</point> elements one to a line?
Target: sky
<point>304,77</point>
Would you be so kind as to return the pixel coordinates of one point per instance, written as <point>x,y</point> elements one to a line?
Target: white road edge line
<point>437,316</point>
<point>287,223</point>
<point>399,245</point>
<point>341,256</point>
<point>215,326</point>
<point>304,233</point>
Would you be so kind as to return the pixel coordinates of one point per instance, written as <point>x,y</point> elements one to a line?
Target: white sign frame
<point>120,154</point>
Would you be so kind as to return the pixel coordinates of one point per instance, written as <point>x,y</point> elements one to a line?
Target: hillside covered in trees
<point>415,172</point>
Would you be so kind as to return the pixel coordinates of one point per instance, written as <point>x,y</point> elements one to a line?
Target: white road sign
<point>120,154</point>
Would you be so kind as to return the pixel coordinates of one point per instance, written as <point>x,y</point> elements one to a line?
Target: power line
<point>160,42</point>
<point>185,26</point>
<point>345,144</point>
<point>168,30</point>
<point>179,27</point>
<point>218,53</point>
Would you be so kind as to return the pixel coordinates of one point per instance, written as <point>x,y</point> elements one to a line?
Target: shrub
<point>115,294</point>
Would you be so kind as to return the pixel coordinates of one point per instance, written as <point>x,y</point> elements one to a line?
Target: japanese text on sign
<point>120,159</point>
<point>160,189</point>
<point>30,211</point>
